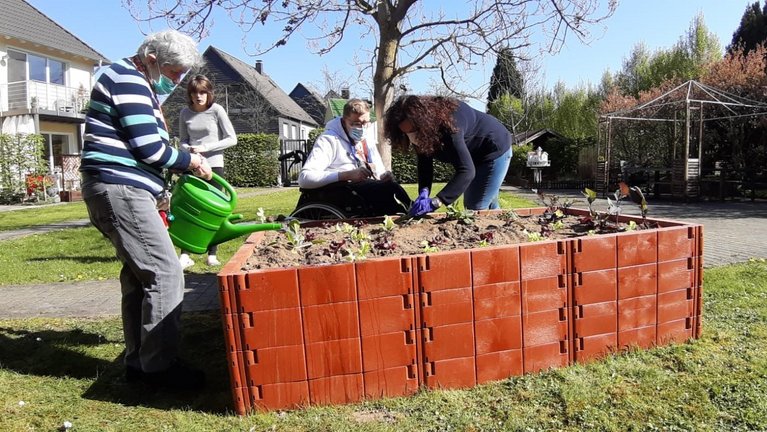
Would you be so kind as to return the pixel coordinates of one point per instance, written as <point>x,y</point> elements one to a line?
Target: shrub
<point>20,155</point>
<point>253,161</point>
<point>11,197</point>
<point>405,168</point>
<point>313,134</point>
<point>518,165</point>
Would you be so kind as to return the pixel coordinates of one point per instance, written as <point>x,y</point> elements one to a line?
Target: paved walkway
<point>732,231</point>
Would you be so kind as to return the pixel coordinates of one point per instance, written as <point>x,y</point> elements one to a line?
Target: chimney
<point>260,67</point>
<point>345,93</point>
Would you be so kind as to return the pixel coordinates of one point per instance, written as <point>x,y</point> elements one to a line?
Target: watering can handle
<point>227,187</point>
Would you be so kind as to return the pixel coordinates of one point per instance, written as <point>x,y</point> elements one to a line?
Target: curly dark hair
<point>432,117</point>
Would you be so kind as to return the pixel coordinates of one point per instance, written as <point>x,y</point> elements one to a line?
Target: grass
<point>68,370</point>
<point>42,215</point>
<point>80,254</point>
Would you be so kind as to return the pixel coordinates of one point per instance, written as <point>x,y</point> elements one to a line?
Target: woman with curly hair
<point>446,129</point>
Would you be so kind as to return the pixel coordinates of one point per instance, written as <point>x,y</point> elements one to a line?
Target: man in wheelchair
<point>344,175</point>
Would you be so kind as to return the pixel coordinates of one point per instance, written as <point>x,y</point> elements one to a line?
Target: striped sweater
<point>126,141</point>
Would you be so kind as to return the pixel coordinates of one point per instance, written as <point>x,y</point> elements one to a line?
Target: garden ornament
<point>201,215</point>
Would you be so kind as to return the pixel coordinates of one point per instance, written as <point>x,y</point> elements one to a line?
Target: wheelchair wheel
<point>316,211</point>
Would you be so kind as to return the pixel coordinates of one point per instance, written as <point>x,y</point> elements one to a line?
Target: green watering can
<point>202,215</point>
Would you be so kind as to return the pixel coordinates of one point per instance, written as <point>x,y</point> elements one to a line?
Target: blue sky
<point>108,27</point>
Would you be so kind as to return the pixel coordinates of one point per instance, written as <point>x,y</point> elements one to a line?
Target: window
<point>24,66</point>
<point>293,133</point>
<point>285,130</point>
<point>55,146</point>
<point>36,68</point>
<point>56,72</point>
<point>17,66</point>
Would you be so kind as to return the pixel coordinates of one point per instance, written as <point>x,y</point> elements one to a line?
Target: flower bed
<point>385,326</point>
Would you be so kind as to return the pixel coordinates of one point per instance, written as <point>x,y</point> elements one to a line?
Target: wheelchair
<point>346,200</point>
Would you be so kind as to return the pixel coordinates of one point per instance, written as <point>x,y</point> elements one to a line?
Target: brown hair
<point>200,84</point>
<point>356,106</point>
<point>432,117</point>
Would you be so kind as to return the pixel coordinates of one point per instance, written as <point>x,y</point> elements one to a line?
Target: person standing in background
<point>205,128</point>
<point>125,152</point>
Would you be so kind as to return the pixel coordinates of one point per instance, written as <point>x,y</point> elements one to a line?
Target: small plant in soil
<point>388,224</point>
<point>634,193</point>
<point>295,236</point>
<point>428,248</point>
<point>461,215</point>
<point>486,238</point>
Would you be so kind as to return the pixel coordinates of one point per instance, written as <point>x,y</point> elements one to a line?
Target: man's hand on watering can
<point>199,167</point>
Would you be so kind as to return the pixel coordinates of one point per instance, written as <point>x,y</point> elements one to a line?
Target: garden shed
<point>688,142</point>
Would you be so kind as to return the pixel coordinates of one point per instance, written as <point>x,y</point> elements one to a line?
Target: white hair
<point>171,48</point>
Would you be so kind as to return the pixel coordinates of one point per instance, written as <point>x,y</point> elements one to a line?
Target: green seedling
<point>388,224</point>
<point>534,236</point>
<point>345,228</point>
<point>461,215</point>
<point>591,196</point>
<point>295,236</point>
<point>359,254</point>
<point>428,248</point>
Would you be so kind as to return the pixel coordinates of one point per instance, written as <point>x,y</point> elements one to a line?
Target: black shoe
<point>133,374</point>
<point>178,376</point>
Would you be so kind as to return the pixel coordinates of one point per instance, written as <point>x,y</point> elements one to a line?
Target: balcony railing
<point>28,96</point>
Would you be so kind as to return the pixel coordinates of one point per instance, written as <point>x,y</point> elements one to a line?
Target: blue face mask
<point>356,133</point>
<point>163,86</point>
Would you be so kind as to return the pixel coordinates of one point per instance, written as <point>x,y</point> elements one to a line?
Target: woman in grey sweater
<point>205,128</point>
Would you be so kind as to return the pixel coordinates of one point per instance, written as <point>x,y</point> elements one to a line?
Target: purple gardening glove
<point>421,205</point>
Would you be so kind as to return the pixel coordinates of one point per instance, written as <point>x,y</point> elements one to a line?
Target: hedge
<point>253,161</point>
<point>404,167</point>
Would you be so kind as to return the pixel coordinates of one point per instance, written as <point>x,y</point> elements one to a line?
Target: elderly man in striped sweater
<point>124,155</point>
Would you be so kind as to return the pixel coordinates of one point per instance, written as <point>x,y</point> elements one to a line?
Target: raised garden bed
<point>386,326</point>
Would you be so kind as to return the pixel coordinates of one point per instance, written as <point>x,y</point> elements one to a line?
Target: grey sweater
<point>210,132</point>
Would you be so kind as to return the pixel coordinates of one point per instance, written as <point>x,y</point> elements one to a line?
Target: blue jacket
<point>480,138</point>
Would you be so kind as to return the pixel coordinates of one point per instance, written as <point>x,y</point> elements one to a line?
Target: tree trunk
<point>383,80</point>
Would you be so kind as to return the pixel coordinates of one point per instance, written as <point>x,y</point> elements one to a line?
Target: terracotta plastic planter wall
<point>385,327</point>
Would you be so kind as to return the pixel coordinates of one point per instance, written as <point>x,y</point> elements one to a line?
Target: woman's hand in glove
<point>422,205</point>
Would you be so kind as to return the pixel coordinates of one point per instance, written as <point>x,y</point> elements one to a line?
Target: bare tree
<point>411,36</point>
<point>332,81</point>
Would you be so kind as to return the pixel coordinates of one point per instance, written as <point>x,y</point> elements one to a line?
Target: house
<point>308,99</point>
<point>254,102</point>
<point>335,108</point>
<point>537,138</point>
<point>46,74</point>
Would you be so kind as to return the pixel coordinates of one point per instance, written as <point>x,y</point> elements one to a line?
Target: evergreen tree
<point>752,30</point>
<point>506,78</point>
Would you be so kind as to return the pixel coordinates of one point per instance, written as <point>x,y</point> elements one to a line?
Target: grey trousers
<point>151,278</point>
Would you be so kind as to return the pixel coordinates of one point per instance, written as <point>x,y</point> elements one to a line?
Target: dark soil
<point>329,243</point>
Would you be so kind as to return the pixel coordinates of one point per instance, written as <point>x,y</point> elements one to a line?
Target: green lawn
<point>68,370</point>
<point>80,254</point>
<point>42,215</point>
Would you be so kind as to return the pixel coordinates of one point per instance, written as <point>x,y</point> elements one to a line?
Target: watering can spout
<point>229,231</point>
